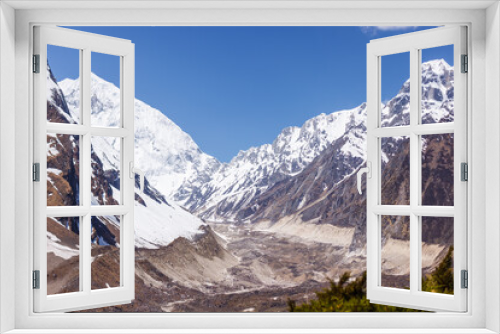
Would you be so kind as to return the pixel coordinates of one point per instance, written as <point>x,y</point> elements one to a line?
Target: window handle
<point>139,172</point>
<point>368,171</point>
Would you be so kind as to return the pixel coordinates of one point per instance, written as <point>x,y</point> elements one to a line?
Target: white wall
<point>492,166</point>
<point>484,109</point>
<point>7,160</point>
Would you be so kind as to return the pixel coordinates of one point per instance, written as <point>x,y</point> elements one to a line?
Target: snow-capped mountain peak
<point>177,167</point>
<point>158,222</point>
<point>254,171</point>
<point>168,155</point>
<point>436,67</point>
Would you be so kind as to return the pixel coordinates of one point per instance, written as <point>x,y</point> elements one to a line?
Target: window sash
<point>413,43</point>
<point>87,43</point>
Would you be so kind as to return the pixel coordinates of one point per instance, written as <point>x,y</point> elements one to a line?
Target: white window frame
<point>85,44</point>
<point>413,43</point>
<point>483,103</point>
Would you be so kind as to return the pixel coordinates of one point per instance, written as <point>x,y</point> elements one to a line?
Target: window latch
<point>368,171</point>
<point>139,172</point>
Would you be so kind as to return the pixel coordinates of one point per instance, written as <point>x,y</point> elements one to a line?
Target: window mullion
<point>85,171</point>
<point>414,171</point>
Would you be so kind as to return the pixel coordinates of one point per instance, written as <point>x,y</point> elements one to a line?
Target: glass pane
<point>105,181</point>
<point>437,254</point>
<point>437,85</point>
<point>105,238</point>
<point>63,170</point>
<point>105,90</point>
<point>395,90</point>
<point>395,255</point>
<point>63,255</point>
<point>437,170</point>
<point>395,170</point>
<point>63,85</point>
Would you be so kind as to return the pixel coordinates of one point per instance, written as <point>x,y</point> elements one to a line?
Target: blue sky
<point>231,88</point>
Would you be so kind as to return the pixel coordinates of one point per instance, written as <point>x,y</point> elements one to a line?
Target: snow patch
<point>54,246</point>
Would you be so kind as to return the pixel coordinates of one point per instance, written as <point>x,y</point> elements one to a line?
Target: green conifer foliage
<point>441,280</point>
<point>345,296</point>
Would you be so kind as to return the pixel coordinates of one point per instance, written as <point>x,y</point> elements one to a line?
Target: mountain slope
<point>168,156</point>
<point>294,213</point>
<point>325,194</point>
<point>179,169</point>
<point>158,222</point>
<point>230,191</point>
<point>336,164</point>
<point>240,189</point>
<point>254,171</point>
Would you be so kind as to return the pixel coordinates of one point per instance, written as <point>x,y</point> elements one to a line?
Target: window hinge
<point>465,279</point>
<point>36,172</point>
<point>465,64</point>
<point>36,63</point>
<point>464,171</point>
<point>36,279</point>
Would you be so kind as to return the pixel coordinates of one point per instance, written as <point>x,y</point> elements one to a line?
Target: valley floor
<point>231,267</point>
<point>235,268</point>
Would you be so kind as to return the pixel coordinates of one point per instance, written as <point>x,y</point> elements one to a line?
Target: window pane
<point>63,85</point>
<point>105,238</point>
<point>395,90</point>
<point>63,255</point>
<point>437,169</point>
<point>437,85</point>
<point>105,90</point>
<point>395,170</point>
<point>63,170</point>
<point>106,166</point>
<point>437,254</point>
<point>395,255</point>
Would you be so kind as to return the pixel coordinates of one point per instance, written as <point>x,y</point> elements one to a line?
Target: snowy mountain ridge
<point>251,173</point>
<point>167,155</point>
<point>180,170</point>
<point>216,191</point>
<point>158,222</point>
<point>255,170</point>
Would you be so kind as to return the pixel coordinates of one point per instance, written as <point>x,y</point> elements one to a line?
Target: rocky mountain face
<point>237,188</point>
<point>306,164</point>
<point>227,191</point>
<point>158,222</point>
<point>325,191</point>
<point>251,173</point>
<point>63,166</point>
<point>168,155</point>
<point>301,166</point>
<point>298,192</point>
<point>179,169</point>
<point>322,203</point>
